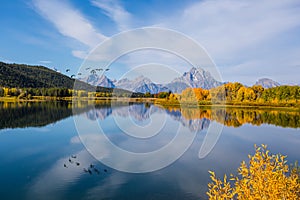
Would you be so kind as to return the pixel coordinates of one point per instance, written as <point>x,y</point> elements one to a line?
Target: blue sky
<point>246,39</point>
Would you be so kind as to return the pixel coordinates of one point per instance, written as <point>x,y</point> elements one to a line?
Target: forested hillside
<point>26,76</point>
<point>24,81</point>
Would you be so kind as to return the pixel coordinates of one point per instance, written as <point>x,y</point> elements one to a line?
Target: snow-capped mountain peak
<point>97,80</point>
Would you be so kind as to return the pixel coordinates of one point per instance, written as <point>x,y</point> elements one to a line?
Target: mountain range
<point>194,78</point>
<point>22,76</point>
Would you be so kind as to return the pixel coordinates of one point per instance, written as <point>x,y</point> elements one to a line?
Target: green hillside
<point>42,78</point>
<point>27,76</point>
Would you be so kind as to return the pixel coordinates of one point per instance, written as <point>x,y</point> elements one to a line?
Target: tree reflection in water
<point>37,114</point>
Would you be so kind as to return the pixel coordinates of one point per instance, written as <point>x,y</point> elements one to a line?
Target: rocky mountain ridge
<point>194,78</point>
<point>267,83</point>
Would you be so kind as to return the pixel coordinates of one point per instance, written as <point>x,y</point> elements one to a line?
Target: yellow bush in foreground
<point>267,176</point>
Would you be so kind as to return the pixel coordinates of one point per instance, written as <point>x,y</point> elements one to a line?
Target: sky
<point>246,40</point>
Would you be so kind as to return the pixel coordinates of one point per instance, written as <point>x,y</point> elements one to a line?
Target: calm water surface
<point>42,156</point>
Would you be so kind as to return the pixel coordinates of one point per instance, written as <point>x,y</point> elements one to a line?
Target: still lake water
<point>42,156</point>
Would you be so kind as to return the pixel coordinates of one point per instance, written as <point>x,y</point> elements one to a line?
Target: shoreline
<point>155,101</point>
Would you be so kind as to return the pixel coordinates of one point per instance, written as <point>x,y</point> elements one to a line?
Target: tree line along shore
<point>234,94</point>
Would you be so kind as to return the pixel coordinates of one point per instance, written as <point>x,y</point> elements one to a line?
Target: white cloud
<point>250,71</point>
<point>228,26</point>
<point>68,21</point>
<point>116,12</point>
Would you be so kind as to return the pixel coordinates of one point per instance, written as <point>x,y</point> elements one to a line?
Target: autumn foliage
<point>266,176</point>
<point>236,93</point>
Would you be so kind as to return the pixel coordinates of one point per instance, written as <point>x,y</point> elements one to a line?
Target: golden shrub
<point>267,176</point>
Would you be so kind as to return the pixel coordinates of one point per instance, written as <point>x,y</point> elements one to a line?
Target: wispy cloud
<point>114,10</point>
<point>69,21</point>
<point>80,54</point>
<point>45,61</point>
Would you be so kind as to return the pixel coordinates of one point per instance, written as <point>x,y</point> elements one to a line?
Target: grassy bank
<point>46,98</point>
<point>245,105</point>
<point>162,102</point>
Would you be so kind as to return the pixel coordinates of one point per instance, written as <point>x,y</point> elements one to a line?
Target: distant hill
<point>28,76</point>
<point>267,83</point>
<point>23,76</point>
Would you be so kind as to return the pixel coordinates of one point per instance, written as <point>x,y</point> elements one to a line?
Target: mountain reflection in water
<point>37,114</point>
